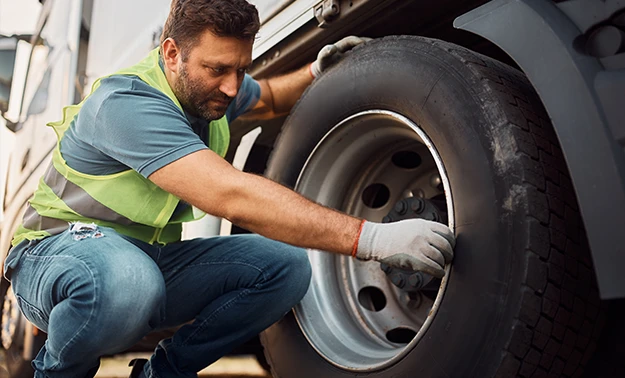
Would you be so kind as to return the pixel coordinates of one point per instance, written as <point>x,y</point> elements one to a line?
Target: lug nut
<point>433,217</point>
<point>415,280</point>
<point>397,280</point>
<point>417,205</point>
<point>400,207</point>
<point>410,300</point>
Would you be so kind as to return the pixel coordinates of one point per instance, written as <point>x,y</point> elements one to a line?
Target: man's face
<point>210,74</point>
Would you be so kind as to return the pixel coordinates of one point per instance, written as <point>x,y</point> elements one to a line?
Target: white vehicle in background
<point>513,135</point>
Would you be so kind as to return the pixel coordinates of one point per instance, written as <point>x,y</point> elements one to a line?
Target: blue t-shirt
<point>126,123</point>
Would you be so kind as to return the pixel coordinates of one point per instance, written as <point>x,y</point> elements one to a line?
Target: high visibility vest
<point>125,201</point>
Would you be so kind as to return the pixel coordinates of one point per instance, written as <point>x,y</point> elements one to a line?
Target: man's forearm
<point>272,210</point>
<point>211,184</point>
<point>285,90</point>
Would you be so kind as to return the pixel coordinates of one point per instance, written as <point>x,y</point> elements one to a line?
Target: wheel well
<point>428,19</point>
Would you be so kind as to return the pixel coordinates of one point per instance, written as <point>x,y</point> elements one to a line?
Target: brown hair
<point>188,19</point>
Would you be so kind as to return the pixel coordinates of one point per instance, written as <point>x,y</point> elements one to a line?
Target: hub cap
<point>353,315</point>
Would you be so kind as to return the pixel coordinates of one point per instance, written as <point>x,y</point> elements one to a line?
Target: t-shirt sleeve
<point>246,98</point>
<point>142,129</point>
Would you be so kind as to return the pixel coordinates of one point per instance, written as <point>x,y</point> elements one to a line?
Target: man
<point>98,262</point>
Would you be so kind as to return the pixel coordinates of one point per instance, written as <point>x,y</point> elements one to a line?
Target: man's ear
<point>171,55</point>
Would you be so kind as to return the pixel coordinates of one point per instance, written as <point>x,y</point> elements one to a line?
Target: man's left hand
<point>331,54</point>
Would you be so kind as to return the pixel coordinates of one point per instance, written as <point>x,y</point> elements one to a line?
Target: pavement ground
<point>227,367</point>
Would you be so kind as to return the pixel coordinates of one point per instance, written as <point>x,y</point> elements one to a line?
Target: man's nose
<point>229,85</point>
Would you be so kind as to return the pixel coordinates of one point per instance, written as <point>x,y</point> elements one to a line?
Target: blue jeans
<point>100,292</point>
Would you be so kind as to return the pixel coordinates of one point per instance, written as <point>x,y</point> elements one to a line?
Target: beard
<point>196,100</point>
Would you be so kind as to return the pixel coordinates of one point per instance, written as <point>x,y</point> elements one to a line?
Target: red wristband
<point>310,70</point>
<point>355,248</point>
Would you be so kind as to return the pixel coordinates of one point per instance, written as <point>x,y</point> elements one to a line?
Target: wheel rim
<point>352,315</point>
<point>10,318</point>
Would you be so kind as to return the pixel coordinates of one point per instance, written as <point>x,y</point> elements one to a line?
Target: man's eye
<point>242,71</point>
<point>218,70</point>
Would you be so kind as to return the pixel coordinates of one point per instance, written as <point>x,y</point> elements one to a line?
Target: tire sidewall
<point>460,117</point>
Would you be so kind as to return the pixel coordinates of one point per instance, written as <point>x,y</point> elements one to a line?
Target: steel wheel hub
<point>353,314</point>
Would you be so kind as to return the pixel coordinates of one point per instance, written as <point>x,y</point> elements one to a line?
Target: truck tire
<point>15,331</point>
<point>401,118</point>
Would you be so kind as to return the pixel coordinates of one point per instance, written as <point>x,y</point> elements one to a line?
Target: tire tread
<point>560,298</point>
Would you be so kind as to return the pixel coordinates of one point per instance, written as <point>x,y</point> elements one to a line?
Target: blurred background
<point>16,17</point>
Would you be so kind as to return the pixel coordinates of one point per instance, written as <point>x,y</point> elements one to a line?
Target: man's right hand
<point>414,244</point>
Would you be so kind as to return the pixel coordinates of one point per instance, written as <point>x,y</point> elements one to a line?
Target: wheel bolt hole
<point>372,298</point>
<point>400,335</point>
<point>406,159</point>
<point>376,195</point>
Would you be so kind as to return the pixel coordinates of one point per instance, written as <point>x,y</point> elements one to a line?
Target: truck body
<point>572,52</point>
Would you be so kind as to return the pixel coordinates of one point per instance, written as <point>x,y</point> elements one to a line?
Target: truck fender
<point>577,92</point>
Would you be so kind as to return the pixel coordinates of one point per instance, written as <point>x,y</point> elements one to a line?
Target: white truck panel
<point>122,33</point>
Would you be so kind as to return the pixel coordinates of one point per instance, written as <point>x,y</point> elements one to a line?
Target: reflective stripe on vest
<point>80,201</point>
<point>34,221</point>
<point>125,201</point>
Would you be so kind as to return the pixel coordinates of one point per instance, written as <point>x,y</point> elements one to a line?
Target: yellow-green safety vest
<point>125,201</point>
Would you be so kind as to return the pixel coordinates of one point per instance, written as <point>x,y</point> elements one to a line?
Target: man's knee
<point>122,297</point>
<point>135,298</point>
<point>295,272</point>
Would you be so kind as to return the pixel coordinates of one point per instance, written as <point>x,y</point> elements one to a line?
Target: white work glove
<point>331,54</point>
<point>414,244</point>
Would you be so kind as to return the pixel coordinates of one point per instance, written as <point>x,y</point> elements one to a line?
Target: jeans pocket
<point>34,247</point>
<point>32,313</point>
